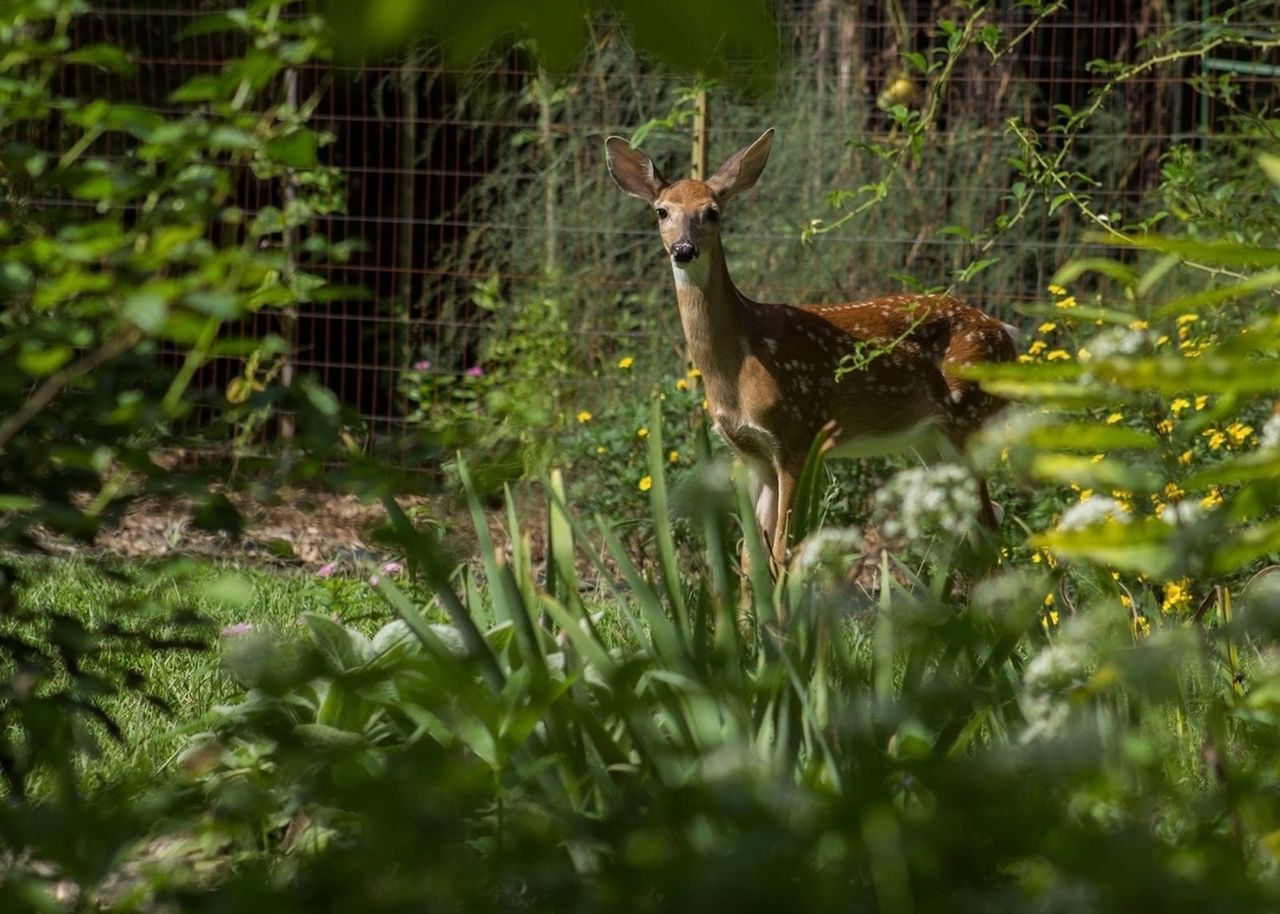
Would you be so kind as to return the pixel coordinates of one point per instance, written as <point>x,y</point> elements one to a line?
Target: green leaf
<point>230,21</point>
<point>15,278</point>
<point>224,137</point>
<point>1140,546</point>
<point>106,56</point>
<point>1245,546</point>
<point>342,648</point>
<point>147,308</point>
<point>1072,271</point>
<point>1088,472</point>
<point>1261,282</point>
<point>326,737</point>
<point>293,150</point>
<point>1270,165</point>
<point>1090,437</point>
<point>203,88</point>
<point>44,361</point>
<point>977,267</point>
<point>1221,253</point>
<point>1213,372</point>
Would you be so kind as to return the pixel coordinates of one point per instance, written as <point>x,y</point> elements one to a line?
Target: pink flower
<point>374,580</point>
<point>326,569</point>
<point>475,371</point>
<point>392,568</point>
<point>239,628</point>
<point>422,365</point>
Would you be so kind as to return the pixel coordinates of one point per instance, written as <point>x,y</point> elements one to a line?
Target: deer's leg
<point>989,514</point>
<point>764,496</point>
<point>788,478</point>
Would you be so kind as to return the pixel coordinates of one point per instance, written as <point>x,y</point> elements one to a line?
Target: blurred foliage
<point>126,268</point>
<point>708,37</point>
<point>1091,725</point>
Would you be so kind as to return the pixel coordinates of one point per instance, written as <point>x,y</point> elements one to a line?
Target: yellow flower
<point>1177,595</point>
<point>1216,439</point>
<point>1024,358</point>
<point>642,433</point>
<point>682,384</point>
<point>706,404</point>
<point>1114,418</point>
<point>600,449</point>
<point>1126,601</point>
<point>1201,401</point>
<point>1212,500</point>
<point>646,483</point>
<point>1178,405</point>
<point>1048,599</point>
<point>1185,458</point>
<point>1047,327</point>
<point>1164,426</point>
<point>584,416</point>
<point>1068,302</point>
<point>1184,319</point>
<point>1086,494</point>
<point>674,457</point>
<point>1055,289</point>
<point>626,362</point>
<point>1036,347</point>
<point>694,373</point>
<point>1172,491</point>
<point>1138,325</point>
<point>1141,626</point>
<point>1084,355</point>
<point>1163,339</point>
<point>1058,355</point>
<point>1239,432</point>
<point>1096,458</point>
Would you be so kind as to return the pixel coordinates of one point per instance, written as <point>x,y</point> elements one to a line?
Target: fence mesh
<point>496,247</point>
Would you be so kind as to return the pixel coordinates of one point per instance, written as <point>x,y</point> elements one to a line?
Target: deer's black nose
<point>684,251</point>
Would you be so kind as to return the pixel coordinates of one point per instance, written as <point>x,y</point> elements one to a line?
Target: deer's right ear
<point>632,170</point>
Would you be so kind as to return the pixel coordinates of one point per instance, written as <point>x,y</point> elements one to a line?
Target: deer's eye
<point>662,212</point>
<point>713,215</point>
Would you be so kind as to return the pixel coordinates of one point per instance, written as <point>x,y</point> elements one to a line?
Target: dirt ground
<point>305,529</point>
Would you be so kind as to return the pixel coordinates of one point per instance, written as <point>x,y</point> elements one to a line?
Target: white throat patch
<point>694,273</point>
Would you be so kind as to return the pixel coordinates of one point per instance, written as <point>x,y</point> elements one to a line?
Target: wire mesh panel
<point>504,275</point>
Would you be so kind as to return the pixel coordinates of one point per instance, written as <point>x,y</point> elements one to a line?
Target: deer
<point>778,375</point>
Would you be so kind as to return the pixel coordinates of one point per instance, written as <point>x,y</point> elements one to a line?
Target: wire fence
<point>504,270</point>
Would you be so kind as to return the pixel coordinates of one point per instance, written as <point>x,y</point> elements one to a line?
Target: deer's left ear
<point>742,169</point>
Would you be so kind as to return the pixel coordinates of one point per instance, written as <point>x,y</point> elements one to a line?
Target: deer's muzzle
<point>684,251</point>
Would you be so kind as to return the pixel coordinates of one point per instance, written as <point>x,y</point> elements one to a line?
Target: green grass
<point>219,594</point>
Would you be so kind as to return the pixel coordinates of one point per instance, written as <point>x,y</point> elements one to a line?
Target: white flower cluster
<point>922,500</point>
<point>1050,678</point>
<point>834,549</point>
<point>1116,341</point>
<point>1094,510</point>
<point>1181,512</point>
<point>1269,437</point>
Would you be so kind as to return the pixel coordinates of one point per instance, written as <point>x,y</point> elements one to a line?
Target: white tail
<point>774,373</point>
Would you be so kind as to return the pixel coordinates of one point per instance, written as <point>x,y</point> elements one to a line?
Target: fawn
<point>773,372</point>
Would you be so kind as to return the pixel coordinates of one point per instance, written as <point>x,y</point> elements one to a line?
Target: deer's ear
<point>633,171</point>
<point>742,169</point>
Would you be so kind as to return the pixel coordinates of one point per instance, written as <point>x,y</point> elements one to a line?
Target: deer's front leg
<point>788,478</point>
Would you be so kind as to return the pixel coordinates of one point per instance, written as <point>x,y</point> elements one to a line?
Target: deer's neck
<point>714,314</point>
